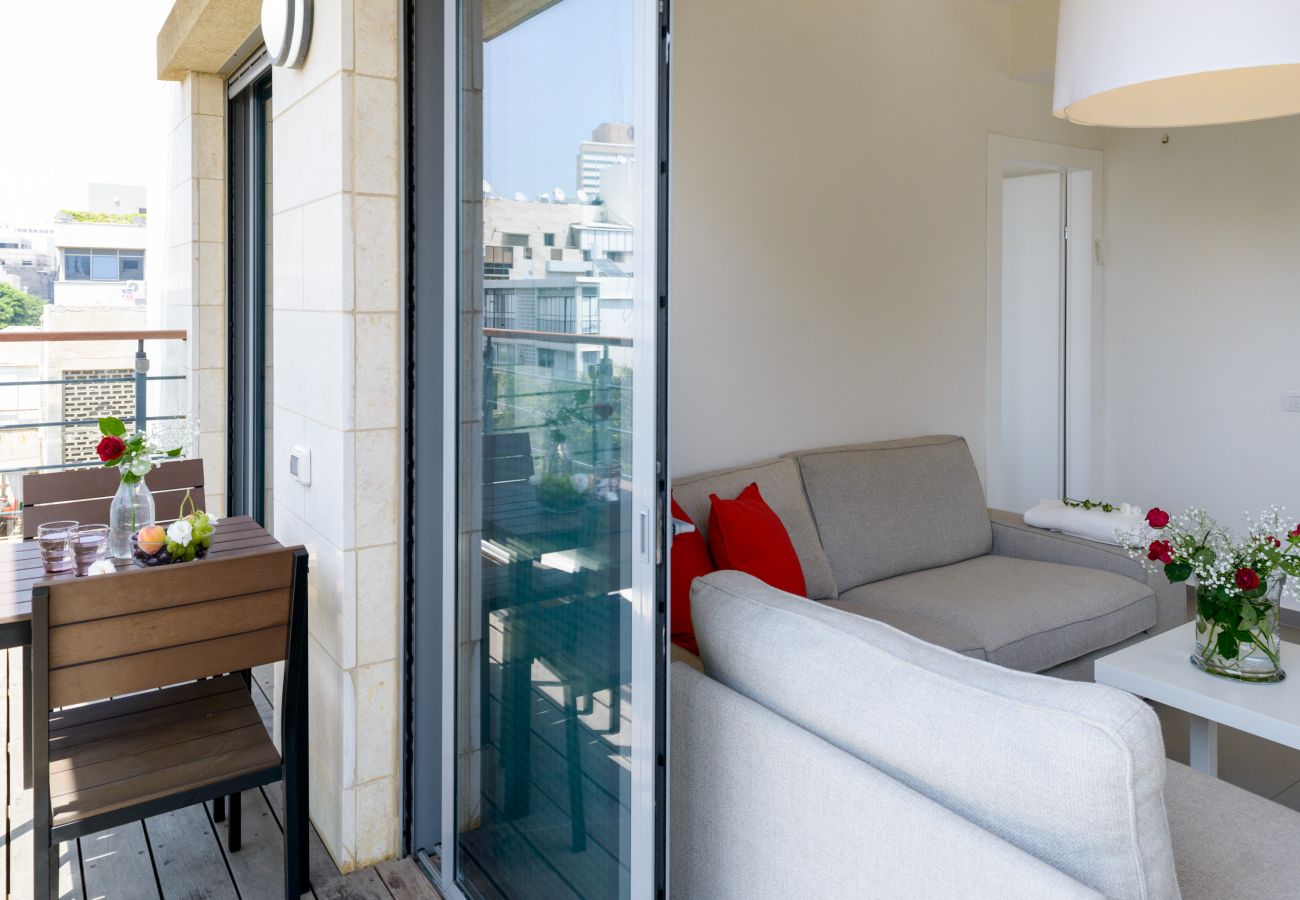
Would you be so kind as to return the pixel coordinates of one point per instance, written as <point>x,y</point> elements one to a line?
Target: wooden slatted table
<point>20,569</point>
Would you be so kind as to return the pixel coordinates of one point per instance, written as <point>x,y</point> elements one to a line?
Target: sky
<point>82,102</point>
<point>547,84</point>
<point>89,107</point>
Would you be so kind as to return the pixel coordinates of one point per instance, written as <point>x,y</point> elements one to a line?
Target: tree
<point>18,307</point>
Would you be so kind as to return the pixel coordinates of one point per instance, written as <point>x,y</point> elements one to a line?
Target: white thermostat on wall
<point>300,464</point>
<point>286,30</point>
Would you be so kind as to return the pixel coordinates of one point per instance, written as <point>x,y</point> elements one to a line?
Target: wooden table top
<point>20,569</point>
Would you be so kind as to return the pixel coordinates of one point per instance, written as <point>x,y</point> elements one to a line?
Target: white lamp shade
<point>1169,63</point>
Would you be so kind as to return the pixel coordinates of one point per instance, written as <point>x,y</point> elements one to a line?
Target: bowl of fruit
<point>186,539</point>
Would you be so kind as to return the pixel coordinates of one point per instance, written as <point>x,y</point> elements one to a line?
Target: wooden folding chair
<point>193,630</point>
<point>85,494</point>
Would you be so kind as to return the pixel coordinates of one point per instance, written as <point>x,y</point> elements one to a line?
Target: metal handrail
<point>39,337</point>
<point>141,378</point>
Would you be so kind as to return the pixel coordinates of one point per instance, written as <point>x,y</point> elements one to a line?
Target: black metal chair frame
<point>292,769</point>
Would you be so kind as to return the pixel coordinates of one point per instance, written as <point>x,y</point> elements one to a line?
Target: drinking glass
<point>89,545</point>
<point>56,552</point>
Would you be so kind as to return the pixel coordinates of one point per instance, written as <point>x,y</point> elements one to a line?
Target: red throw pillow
<point>745,534</point>
<point>690,560</point>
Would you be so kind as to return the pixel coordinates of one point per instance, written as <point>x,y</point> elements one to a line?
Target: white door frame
<point>1003,149</point>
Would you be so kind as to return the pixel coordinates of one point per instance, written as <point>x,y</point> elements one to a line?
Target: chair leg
<point>45,874</point>
<point>27,748</point>
<point>54,872</point>
<point>234,832</point>
<point>219,809</point>
<point>572,749</point>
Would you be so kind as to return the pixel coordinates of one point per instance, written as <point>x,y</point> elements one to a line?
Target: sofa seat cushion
<point>778,479</point>
<point>894,507</point>
<point>943,632</point>
<point>1026,615</point>
<point>1212,859</point>
<point>1071,773</point>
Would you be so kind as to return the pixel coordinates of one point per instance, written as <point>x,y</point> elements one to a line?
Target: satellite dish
<point>487,186</point>
<point>559,195</point>
<point>583,196</point>
<point>520,196</point>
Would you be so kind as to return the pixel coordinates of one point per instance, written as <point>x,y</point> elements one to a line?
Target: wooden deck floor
<point>181,854</point>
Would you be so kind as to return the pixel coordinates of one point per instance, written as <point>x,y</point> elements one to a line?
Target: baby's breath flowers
<point>1238,579</point>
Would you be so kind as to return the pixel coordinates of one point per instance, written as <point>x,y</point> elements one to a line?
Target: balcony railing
<point>585,404</point>
<point>138,417</point>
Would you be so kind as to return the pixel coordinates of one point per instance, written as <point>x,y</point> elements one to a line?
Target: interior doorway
<point>1044,321</point>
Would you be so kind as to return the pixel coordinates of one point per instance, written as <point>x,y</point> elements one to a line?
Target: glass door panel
<point>556,619</point>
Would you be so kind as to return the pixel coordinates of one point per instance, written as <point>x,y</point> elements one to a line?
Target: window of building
<point>497,261</point>
<point>545,358</point>
<point>557,254</point>
<point>514,240</point>
<point>548,239</point>
<point>19,402</point>
<point>103,265</point>
<point>590,311</point>
<point>556,311</point>
<point>500,309</point>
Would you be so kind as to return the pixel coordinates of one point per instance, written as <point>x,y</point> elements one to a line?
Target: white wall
<point>828,211</point>
<point>1203,317</point>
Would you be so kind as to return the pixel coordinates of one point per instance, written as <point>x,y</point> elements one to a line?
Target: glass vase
<point>1237,634</point>
<point>131,510</point>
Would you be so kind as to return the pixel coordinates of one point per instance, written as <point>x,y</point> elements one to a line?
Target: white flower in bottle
<point>180,532</point>
<point>141,467</point>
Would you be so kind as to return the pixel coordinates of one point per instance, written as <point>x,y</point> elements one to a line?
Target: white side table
<point>1160,669</point>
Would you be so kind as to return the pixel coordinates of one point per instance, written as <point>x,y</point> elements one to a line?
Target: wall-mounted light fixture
<point>286,30</point>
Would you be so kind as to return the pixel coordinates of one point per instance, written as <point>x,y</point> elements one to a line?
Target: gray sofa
<point>829,755</point>
<point>899,531</point>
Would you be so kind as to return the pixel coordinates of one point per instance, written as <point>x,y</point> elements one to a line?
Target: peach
<point>152,538</point>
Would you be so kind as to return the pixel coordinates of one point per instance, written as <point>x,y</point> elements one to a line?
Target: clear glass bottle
<point>131,510</point>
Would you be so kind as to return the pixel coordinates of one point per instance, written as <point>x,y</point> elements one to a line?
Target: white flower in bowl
<point>180,532</point>
<point>101,567</point>
<point>581,482</point>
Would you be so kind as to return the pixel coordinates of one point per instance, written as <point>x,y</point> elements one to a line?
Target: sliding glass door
<point>552,656</point>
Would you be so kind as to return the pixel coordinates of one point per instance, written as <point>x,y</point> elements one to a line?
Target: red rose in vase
<point>1296,533</point>
<point>110,448</point>
<point>1157,517</point>
<point>1247,579</point>
<point>1161,551</point>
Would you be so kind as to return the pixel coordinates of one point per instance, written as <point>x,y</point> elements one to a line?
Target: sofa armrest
<point>1012,537</point>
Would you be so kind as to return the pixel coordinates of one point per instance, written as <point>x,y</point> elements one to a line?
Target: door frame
<point>248,98</point>
<point>1003,149</point>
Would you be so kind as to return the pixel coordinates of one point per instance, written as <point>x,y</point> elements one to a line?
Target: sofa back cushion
<point>1072,773</point>
<point>896,507</point>
<point>778,480</point>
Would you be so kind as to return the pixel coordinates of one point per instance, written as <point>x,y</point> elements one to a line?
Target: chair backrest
<point>507,457</point>
<point>85,494</point>
<point>100,637</point>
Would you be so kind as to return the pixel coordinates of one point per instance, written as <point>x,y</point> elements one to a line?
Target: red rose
<point>1274,541</point>
<point>1296,533</point>
<point>1157,517</point>
<point>1161,551</point>
<point>1247,579</point>
<point>110,448</point>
